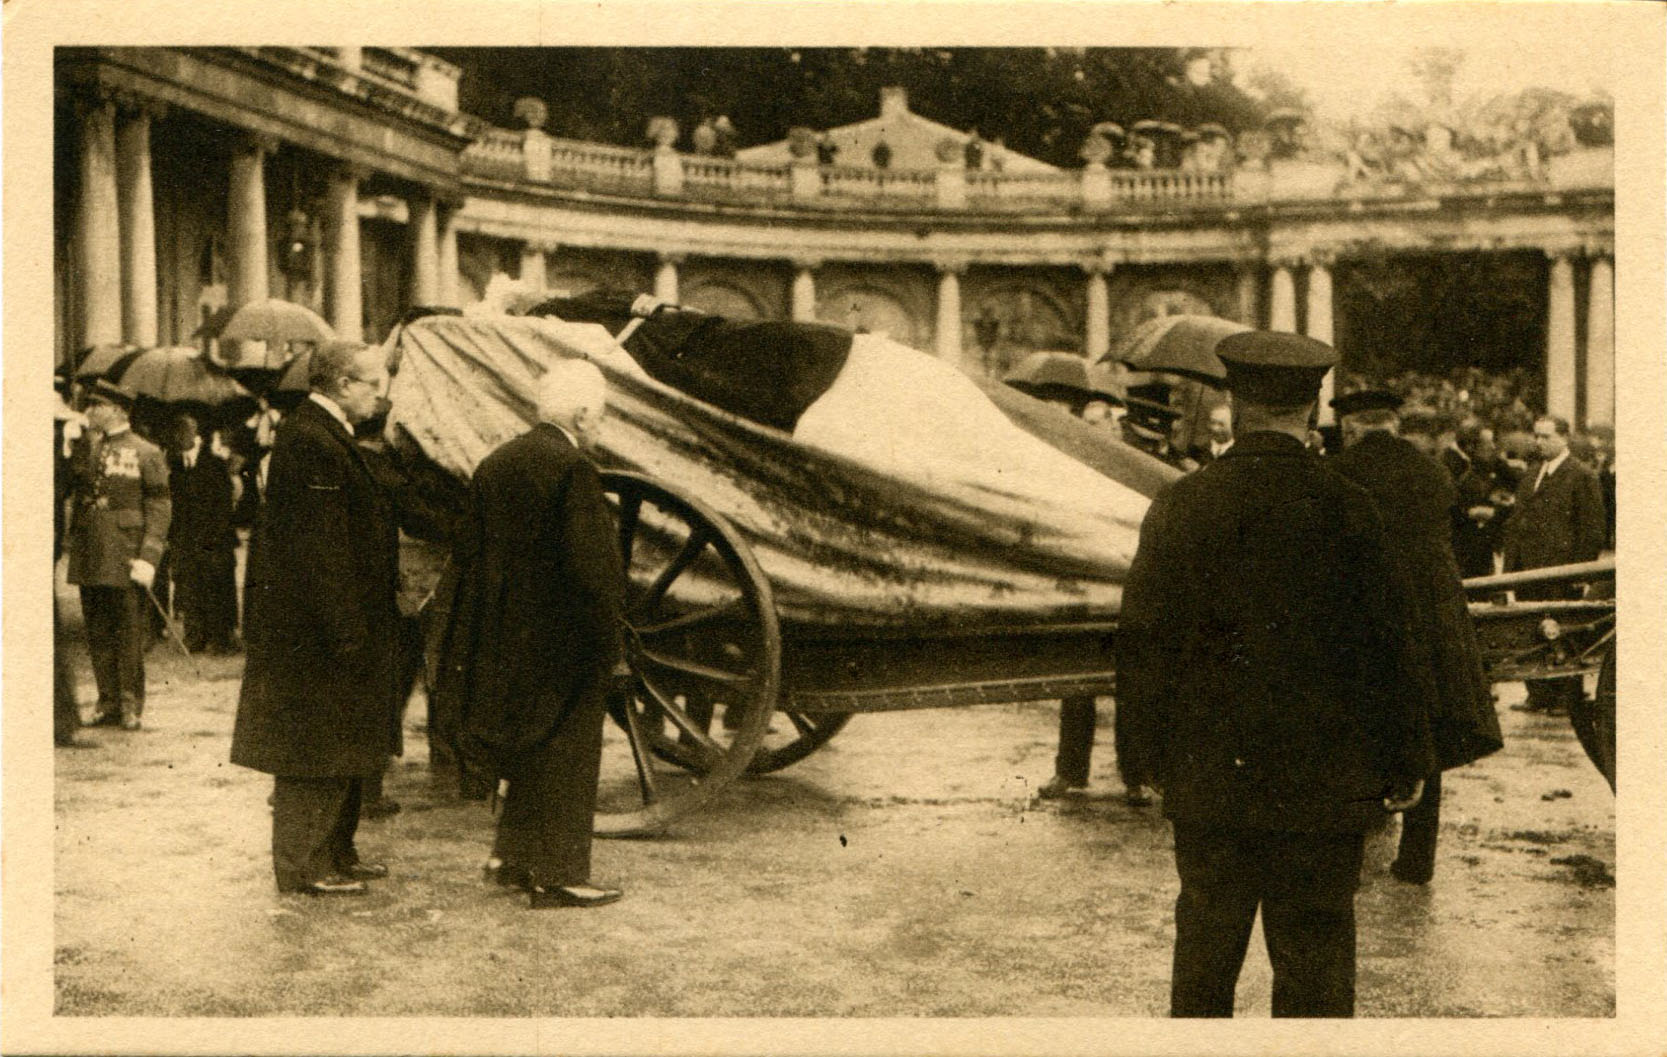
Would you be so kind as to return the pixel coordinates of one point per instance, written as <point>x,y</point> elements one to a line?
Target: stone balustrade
<point>533,157</point>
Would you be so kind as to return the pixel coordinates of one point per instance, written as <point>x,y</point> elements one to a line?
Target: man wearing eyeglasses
<point>315,710</point>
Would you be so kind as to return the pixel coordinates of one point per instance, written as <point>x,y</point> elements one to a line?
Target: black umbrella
<point>1063,376</point>
<point>1183,344</point>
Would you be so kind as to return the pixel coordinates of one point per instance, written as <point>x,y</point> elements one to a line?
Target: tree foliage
<point>1040,101</point>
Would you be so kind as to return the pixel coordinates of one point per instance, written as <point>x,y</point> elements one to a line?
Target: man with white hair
<point>533,636</point>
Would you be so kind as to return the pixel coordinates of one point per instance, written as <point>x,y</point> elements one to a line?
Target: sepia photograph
<point>894,528</point>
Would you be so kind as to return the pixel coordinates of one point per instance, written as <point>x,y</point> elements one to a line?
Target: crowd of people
<point>1295,656</point>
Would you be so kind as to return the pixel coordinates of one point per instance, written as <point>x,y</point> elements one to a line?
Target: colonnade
<point>115,228</point>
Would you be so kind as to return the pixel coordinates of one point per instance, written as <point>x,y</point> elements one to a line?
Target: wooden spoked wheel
<point>788,738</point>
<point>702,660</point>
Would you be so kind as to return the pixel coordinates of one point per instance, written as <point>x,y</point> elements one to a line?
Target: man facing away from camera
<point>316,709</point>
<point>533,636</point>
<point>1263,690</point>
<point>1415,497</point>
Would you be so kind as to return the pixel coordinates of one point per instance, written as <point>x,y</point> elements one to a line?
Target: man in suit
<point>1220,438</point>
<point>1263,689</point>
<point>316,709</point>
<point>1484,499</point>
<point>1559,519</point>
<point>117,533</point>
<point>201,541</point>
<point>533,636</point>
<point>1415,498</point>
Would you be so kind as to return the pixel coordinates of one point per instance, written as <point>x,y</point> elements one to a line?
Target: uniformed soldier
<point>118,531</point>
<point>1264,690</point>
<point>1415,497</point>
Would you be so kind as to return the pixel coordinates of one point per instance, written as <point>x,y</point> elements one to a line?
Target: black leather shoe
<point>364,871</point>
<point>1057,787</point>
<point>106,719</point>
<point>508,875</point>
<point>573,896</point>
<point>334,885</point>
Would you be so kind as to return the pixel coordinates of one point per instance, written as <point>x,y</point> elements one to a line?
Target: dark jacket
<point>202,505</point>
<point>1415,498</point>
<point>1563,521</point>
<point>536,597</point>
<point>1489,486</point>
<point>121,508</point>
<point>317,690</point>
<point>1261,676</point>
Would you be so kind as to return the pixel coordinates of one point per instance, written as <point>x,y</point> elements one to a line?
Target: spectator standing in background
<point>202,543</point>
<point>1558,519</point>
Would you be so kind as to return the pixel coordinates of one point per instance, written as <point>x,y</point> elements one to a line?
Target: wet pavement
<point>905,869</point>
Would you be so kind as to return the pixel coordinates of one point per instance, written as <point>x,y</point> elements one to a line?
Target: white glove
<point>142,571</point>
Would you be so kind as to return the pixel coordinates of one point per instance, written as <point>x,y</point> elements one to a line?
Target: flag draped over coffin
<point>906,534</point>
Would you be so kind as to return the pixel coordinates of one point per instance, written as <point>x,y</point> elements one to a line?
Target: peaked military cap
<point>1275,368</point>
<point>1367,400</point>
<point>105,391</point>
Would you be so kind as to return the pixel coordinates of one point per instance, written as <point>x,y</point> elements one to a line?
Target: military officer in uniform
<point>118,530</point>
<point>1415,497</point>
<point>1264,690</point>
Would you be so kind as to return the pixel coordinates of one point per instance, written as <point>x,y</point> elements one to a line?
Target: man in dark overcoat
<point>1415,497</point>
<point>1263,689</point>
<point>316,708</point>
<point>118,529</point>
<point>533,635</point>
<point>202,541</point>
<point>1559,518</point>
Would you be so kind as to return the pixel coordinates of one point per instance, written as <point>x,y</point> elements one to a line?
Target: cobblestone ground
<point>903,870</point>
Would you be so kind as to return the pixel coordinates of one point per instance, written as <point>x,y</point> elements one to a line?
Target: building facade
<point>346,179</point>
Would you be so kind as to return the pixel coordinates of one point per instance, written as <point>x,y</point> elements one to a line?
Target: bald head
<point>572,394</point>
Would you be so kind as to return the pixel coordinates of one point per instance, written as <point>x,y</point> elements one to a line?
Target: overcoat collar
<point>1265,443</point>
<point>307,409</point>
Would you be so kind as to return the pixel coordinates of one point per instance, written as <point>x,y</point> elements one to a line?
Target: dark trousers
<point>116,639</point>
<point>1415,860</point>
<point>313,822</point>
<point>1554,695</point>
<point>1304,884</point>
<point>550,809</point>
<point>66,715</point>
<point>206,596</point>
<point>1076,740</point>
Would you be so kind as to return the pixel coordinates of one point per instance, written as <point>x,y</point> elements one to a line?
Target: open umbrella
<point>270,320</point>
<point>179,375</point>
<point>1062,376</point>
<point>105,360</point>
<point>1184,345</point>
<point>1212,129</point>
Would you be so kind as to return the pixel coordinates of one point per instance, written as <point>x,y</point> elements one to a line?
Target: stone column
<point>1320,328</point>
<point>1250,312</point>
<point>1559,337</point>
<point>246,209</point>
<point>949,312</point>
<point>1600,343</point>
<point>97,227</point>
<point>448,254</point>
<point>534,267</point>
<point>138,224</point>
<point>342,272</point>
<point>665,279</point>
<point>1282,311</point>
<point>804,291</point>
<point>425,249</point>
<point>1096,340</point>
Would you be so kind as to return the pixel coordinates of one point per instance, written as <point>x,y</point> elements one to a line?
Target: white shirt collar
<point>1551,467</point>
<point>334,408</point>
<point>1219,448</point>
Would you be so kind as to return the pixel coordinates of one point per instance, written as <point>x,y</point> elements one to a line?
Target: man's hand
<point>1481,513</point>
<point>142,572</point>
<point>1404,798</point>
